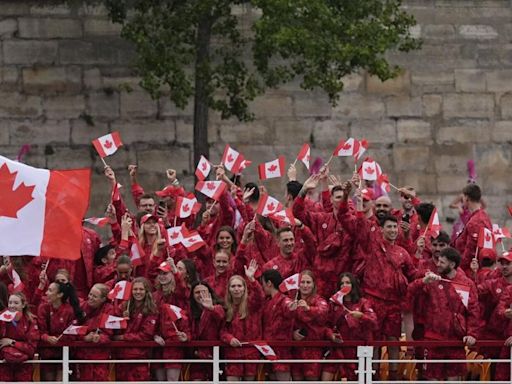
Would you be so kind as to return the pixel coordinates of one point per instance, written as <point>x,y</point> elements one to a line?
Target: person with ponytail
<point>53,317</point>
<point>141,313</point>
<point>18,341</point>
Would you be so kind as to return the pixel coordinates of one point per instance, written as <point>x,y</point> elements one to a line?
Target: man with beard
<point>452,312</point>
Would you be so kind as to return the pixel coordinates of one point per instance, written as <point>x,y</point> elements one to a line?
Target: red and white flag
<point>485,239</point>
<point>76,330</point>
<point>212,189</point>
<point>121,291</point>
<point>284,216</point>
<point>463,291</point>
<point>272,169</point>
<point>191,240</point>
<point>174,312</point>
<point>112,322</point>
<point>245,163</point>
<point>363,146</point>
<point>99,221</point>
<point>267,205</point>
<point>231,159</point>
<point>203,168</point>
<point>337,298</point>
<point>265,349</point>
<point>175,235</point>
<point>305,155</point>
<point>383,183</point>
<point>136,253</point>
<point>434,226</point>
<point>38,206</point>
<point>17,284</point>
<point>116,195</point>
<point>370,170</point>
<point>107,145</point>
<point>349,147</point>
<point>290,283</point>
<point>500,233</point>
<point>185,206</point>
<point>8,315</point>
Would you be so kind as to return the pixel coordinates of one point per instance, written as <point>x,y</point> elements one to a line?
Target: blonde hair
<point>26,310</point>
<point>243,308</point>
<point>142,238</point>
<point>148,306</point>
<point>102,288</point>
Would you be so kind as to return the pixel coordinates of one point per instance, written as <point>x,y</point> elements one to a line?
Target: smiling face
<point>138,292</point>
<point>225,240</point>
<point>150,227</point>
<point>15,303</point>
<point>199,290</point>
<point>390,230</point>
<point>382,206</point>
<point>52,293</point>
<point>95,299</point>
<point>286,243</point>
<point>306,286</point>
<point>221,262</point>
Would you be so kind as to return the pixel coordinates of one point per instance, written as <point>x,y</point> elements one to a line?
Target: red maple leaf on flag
<point>265,350</point>
<point>271,206</point>
<point>210,186</point>
<point>7,316</point>
<point>107,144</point>
<point>230,158</point>
<point>290,281</point>
<point>185,208</point>
<point>174,235</point>
<point>487,237</point>
<point>308,157</point>
<point>497,232</point>
<point>347,146</point>
<point>272,168</point>
<point>369,170</point>
<point>115,291</point>
<point>192,240</point>
<point>13,200</point>
<point>203,166</point>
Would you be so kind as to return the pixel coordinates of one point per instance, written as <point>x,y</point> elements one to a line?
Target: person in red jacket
<point>94,308</point>
<point>503,315</point>
<point>452,312</point>
<point>243,323</point>
<point>278,317</point>
<point>141,313</point>
<point>206,319</point>
<point>53,317</point>
<point>219,280</point>
<point>18,341</point>
<point>352,320</point>
<point>310,322</point>
<point>466,242</point>
<point>104,264</point>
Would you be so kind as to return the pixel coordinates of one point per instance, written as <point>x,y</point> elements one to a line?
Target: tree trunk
<point>201,91</point>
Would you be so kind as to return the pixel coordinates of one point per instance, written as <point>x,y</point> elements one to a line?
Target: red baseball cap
<point>507,255</point>
<point>171,190</point>
<point>146,217</point>
<point>165,266</point>
<point>487,254</point>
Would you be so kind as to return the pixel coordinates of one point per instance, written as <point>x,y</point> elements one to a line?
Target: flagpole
<point>175,218</point>
<point>392,186</point>
<point>503,246</point>
<point>175,327</point>
<point>211,207</point>
<point>294,162</point>
<point>329,161</point>
<point>103,161</point>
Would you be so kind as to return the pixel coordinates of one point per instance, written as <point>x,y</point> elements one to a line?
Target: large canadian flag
<point>268,205</point>
<point>41,211</point>
<point>232,159</point>
<point>272,169</point>
<point>212,189</point>
<point>107,145</point>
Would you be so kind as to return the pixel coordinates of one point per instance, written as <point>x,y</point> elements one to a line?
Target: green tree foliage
<point>203,50</point>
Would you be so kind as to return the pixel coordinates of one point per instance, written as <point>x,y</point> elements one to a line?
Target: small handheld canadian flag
<point>232,159</point>
<point>284,216</point>
<point>175,313</point>
<point>212,189</point>
<point>121,291</point>
<point>272,169</point>
<point>265,349</point>
<point>99,221</point>
<point>112,322</point>
<point>76,330</point>
<point>363,146</point>
<point>305,155</point>
<point>203,168</point>
<point>370,170</point>
<point>267,205</point>
<point>185,206</point>
<point>337,298</point>
<point>433,226</point>
<point>500,233</point>
<point>136,253</point>
<point>485,239</point>
<point>290,283</point>
<point>17,284</point>
<point>175,235</point>
<point>383,183</point>
<point>8,315</point>
<point>463,292</point>
<point>349,147</point>
<point>107,145</point>
<point>191,240</point>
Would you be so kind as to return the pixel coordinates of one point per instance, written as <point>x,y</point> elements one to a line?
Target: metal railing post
<point>364,369</point>
<point>65,364</point>
<point>216,364</point>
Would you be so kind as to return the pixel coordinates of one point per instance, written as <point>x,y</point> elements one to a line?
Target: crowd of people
<point>392,271</point>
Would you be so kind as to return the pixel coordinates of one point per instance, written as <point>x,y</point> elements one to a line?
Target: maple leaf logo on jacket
<point>14,199</point>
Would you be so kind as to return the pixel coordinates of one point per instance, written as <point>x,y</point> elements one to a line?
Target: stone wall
<point>65,72</point>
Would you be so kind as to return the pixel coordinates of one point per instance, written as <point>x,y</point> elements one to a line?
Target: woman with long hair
<point>353,319</point>
<point>206,318</point>
<point>54,315</point>
<point>219,279</point>
<point>141,313</point>
<point>18,341</point>
<point>94,309</point>
<point>311,317</point>
<point>244,301</point>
